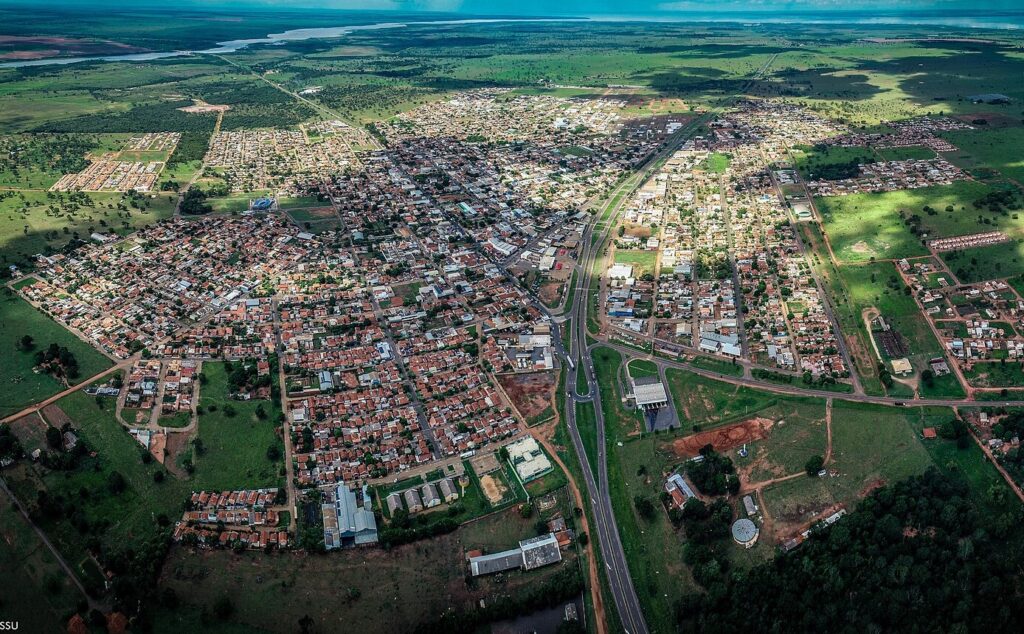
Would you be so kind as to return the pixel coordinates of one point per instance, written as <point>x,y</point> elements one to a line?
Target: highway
<point>616,566</point>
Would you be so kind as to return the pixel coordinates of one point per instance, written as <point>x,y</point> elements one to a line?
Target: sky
<point>665,9</point>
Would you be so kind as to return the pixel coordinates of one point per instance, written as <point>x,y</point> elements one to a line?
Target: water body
<point>544,621</point>
<point>231,46</point>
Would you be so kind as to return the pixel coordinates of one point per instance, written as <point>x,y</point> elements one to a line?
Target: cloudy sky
<point>661,8</point>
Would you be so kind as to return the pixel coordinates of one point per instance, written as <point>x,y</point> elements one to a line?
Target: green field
<point>992,262</point>
<point>717,163</point>
<point>995,374</point>
<point>710,403</point>
<point>235,447</point>
<point>642,261</point>
<point>27,226</point>
<point>37,594</point>
<point>865,226</point>
<point>914,152</point>
<point>717,365</point>
<point>997,149</point>
<point>797,433</point>
<point>22,386</point>
<point>876,445</point>
<point>877,287</point>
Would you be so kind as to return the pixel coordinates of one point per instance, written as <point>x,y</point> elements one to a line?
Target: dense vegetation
<point>153,117</point>
<point>914,556</point>
<point>191,147</point>
<point>713,474</point>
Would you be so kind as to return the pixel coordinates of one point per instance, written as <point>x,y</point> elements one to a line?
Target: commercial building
<point>528,459</point>
<point>346,521</point>
<point>649,392</point>
<point>531,554</point>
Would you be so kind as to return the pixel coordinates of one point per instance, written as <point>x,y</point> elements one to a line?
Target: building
<point>346,521</point>
<point>394,502</point>
<point>649,393</point>
<point>413,501</point>
<point>744,533</point>
<point>529,459</point>
<point>540,551</point>
<point>430,496</point>
<point>531,554</point>
<point>449,491</point>
<point>679,490</point>
<point>496,562</point>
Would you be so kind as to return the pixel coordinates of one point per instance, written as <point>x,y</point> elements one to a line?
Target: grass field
<point>716,163</point>
<point>236,446</point>
<point>915,152</point>
<point>997,149</point>
<point>995,374</point>
<point>37,594</point>
<point>28,227</point>
<point>871,446</point>
<point>810,159</point>
<point>274,591</point>
<point>876,445</point>
<point>641,261</point>
<point>878,287</point>
<point>639,368</point>
<point>797,434</point>
<point>717,365</point>
<point>987,263</point>
<point>710,403</point>
<point>22,386</point>
<point>865,226</point>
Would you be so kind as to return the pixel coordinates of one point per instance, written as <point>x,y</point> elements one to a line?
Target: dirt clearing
<point>494,489</point>
<point>531,394</point>
<point>723,438</point>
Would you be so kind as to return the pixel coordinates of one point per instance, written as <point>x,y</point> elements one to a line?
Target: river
<point>231,46</point>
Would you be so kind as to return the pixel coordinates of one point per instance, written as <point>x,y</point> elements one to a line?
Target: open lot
<point>861,227</point>
<point>274,591</point>
<point>19,384</point>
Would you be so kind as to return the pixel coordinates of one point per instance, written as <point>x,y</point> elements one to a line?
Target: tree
<point>644,507</point>
<point>54,438</point>
<point>116,483</point>
<point>813,465</point>
<point>223,608</point>
<point>273,453</point>
<point>26,343</point>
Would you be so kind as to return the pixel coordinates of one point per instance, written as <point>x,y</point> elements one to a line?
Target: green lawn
<point>998,149</point>
<point>717,365</point>
<point>639,368</point>
<point>587,424</point>
<point>914,152</point>
<point>717,163</point>
<point>22,386</point>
